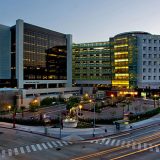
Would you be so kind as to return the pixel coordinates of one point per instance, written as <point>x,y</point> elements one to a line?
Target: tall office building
<point>124,60</point>
<point>34,57</point>
<point>130,60</point>
<point>91,64</point>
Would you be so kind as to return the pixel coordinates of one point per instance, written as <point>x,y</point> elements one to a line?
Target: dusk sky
<point>86,20</point>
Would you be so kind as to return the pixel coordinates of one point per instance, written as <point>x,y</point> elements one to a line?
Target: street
<point>130,145</point>
<point>127,145</point>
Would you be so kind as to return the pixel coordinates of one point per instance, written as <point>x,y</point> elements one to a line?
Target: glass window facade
<point>45,54</point>
<point>91,61</point>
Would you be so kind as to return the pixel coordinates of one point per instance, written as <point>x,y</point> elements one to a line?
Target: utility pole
<point>60,125</point>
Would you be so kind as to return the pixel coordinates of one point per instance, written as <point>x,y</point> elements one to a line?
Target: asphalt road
<point>135,145</point>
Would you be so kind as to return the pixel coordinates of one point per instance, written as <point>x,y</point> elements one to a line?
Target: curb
<point>87,139</point>
<point>129,130</point>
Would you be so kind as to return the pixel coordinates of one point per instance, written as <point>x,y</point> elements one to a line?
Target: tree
<point>46,101</point>
<point>72,102</point>
<point>33,105</point>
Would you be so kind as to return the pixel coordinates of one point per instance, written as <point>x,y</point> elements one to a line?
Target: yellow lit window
<point>120,60</point>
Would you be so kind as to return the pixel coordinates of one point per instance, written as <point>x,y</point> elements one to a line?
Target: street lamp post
<point>112,95</point>
<point>9,108</point>
<point>154,97</point>
<point>94,117</point>
<point>80,108</point>
<point>94,122</point>
<point>60,123</point>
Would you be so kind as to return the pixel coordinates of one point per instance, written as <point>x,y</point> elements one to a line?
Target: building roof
<point>132,32</point>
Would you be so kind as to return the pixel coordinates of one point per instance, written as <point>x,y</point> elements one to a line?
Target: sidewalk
<point>83,133</point>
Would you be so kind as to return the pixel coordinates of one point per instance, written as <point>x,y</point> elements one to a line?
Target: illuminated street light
<point>94,118</point>
<point>9,108</point>
<point>112,96</point>
<point>35,101</point>
<point>80,107</point>
<point>154,97</point>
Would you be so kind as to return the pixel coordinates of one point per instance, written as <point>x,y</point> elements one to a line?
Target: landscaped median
<point>83,123</point>
<point>146,115</point>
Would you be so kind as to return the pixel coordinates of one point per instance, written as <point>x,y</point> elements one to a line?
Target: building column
<point>19,52</point>
<point>69,60</point>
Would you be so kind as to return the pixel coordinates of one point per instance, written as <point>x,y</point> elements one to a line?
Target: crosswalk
<point>117,142</point>
<point>32,148</point>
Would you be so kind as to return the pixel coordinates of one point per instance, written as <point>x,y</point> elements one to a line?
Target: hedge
<point>29,122</point>
<point>138,117</point>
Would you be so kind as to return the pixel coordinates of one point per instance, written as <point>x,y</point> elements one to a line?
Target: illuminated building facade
<point>91,64</point>
<point>124,61</point>
<point>36,57</point>
<point>127,61</point>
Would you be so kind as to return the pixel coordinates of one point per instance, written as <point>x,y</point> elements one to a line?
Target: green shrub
<point>46,101</point>
<point>135,118</point>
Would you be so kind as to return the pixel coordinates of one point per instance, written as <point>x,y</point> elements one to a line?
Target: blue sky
<point>86,20</point>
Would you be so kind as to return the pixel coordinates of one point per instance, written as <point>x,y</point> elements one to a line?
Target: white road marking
<point>157,149</point>
<point>123,143</point>
<point>59,142</point>
<point>139,146</point>
<point>108,140</point>
<point>138,134</point>
<point>9,152</point>
<point>33,148</point>
<point>65,143</point>
<point>118,142</point>
<point>39,147</point>
<point>113,141</point>
<point>16,151</point>
<point>54,144</point>
<point>45,147</point>
<point>133,145</point>
<point>28,149</point>
<point>3,153</point>
<point>50,146</point>
<point>145,145</point>
<point>129,144</point>
<point>22,150</point>
<point>103,140</point>
<point>151,149</point>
